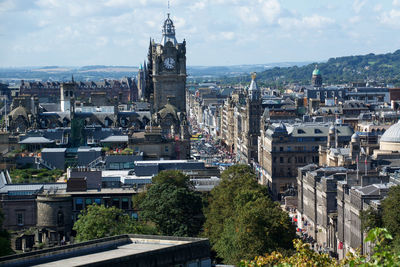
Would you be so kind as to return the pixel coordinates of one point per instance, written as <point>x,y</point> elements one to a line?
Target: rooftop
<point>139,250</point>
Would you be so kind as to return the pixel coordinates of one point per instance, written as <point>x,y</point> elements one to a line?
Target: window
<point>97,201</point>
<point>289,148</point>
<point>281,160</point>
<point>115,202</point>
<point>114,166</point>
<point>317,131</point>
<point>88,202</point>
<point>125,203</point>
<point>20,218</point>
<point>78,203</point>
<point>60,218</point>
<point>300,131</point>
<point>166,149</point>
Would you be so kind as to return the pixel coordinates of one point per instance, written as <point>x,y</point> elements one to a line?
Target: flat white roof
<point>137,246</point>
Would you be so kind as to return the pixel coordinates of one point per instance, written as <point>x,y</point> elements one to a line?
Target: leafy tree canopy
<point>242,221</point>
<point>304,256</point>
<point>172,177</point>
<point>381,68</point>
<point>172,205</point>
<point>99,221</point>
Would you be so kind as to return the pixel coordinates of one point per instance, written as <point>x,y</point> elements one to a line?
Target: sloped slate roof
<point>36,140</point>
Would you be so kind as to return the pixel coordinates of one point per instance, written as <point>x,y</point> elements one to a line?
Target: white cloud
<point>179,22</point>
<point>271,9</point>
<point>247,14</point>
<point>391,18</point>
<point>307,22</point>
<point>396,2</point>
<point>227,35</point>
<point>377,7</point>
<point>200,5</point>
<point>358,5</point>
<point>101,41</point>
<point>6,5</point>
<point>355,19</point>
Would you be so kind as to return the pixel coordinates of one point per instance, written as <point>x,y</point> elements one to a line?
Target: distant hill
<point>371,67</point>
<point>101,72</point>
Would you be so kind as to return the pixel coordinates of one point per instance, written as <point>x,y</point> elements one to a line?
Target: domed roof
<point>316,72</point>
<point>355,137</point>
<point>19,111</point>
<point>392,134</point>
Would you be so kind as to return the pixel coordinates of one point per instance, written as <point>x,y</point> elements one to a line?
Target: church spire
<point>254,92</point>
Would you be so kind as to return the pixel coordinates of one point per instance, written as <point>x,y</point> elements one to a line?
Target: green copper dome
<point>316,72</point>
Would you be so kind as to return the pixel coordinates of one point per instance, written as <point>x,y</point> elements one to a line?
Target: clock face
<point>169,63</point>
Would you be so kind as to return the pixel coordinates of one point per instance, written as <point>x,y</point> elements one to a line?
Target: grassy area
<point>20,176</point>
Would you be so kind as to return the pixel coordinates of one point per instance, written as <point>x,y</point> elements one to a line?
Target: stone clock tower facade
<point>167,71</point>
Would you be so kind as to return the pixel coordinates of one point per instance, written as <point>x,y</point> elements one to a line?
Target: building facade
<point>285,147</point>
<point>167,64</point>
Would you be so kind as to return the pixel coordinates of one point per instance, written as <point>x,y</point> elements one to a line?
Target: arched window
<point>60,218</point>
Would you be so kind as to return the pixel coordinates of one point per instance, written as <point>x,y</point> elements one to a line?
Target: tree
<point>172,205</point>
<point>390,211</point>
<point>242,221</point>
<point>5,244</point>
<point>98,222</point>
<point>173,177</point>
<point>370,219</point>
<point>304,256</point>
<point>221,199</point>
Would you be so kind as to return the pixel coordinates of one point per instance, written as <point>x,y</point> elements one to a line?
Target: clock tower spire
<point>168,67</point>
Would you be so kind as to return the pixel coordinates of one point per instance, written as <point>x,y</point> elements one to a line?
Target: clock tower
<point>167,70</point>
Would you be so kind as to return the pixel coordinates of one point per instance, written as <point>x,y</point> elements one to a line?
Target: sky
<point>217,32</point>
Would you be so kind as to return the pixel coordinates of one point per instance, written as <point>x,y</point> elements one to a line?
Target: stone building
<point>330,200</point>
<point>228,124</point>
<point>316,80</point>
<point>352,198</point>
<point>284,147</point>
<point>247,118</point>
<point>27,113</point>
<point>317,206</point>
<point>167,65</point>
<point>50,91</point>
<point>48,211</point>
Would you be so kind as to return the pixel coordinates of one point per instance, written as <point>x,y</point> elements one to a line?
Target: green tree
<point>98,222</point>
<point>172,205</point>
<point>390,211</point>
<point>304,256</point>
<point>370,218</point>
<point>242,221</point>
<point>173,177</point>
<point>5,244</point>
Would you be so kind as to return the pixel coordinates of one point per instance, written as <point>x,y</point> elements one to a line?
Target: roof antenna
<point>168,4</point>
